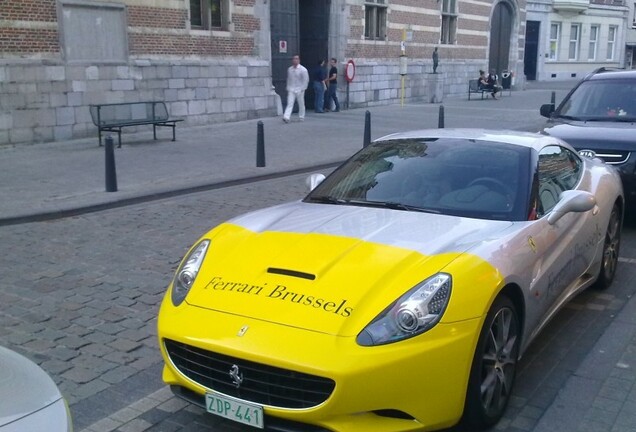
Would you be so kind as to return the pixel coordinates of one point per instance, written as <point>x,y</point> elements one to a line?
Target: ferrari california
<point>400,293</point>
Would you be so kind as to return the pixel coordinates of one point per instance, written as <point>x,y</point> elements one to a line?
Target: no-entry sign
<point>350,71</point>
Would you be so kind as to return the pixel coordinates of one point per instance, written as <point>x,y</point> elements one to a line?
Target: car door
<point>560,257</point>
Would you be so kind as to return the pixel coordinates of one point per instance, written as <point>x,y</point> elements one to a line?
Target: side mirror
<point>572,201</point>
<point>546,110</point>
<point>314,180</point>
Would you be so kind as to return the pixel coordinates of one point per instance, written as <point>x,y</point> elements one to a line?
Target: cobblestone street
<point>80,297</point>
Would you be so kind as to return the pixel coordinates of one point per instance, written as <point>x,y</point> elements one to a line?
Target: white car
<point>29,399</point>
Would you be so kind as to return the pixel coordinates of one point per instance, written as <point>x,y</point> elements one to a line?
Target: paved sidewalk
<point>52,178</point>
<point>601,395</point>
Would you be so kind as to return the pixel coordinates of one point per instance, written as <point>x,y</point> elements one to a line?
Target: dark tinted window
<point>559,170</point>
<point>611,100</point>
<point>451,176</point>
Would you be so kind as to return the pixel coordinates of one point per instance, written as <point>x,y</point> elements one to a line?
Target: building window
<point>375,19</point>
<point>208,14</point>
<point>575,36</point>
<point>449,22</point>
<point>611,42</point>
<point>555,34</point>
<point>591,53</point>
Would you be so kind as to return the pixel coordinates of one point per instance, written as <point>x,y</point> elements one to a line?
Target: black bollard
<point>553,100</point>
<point>111,171</point>
<point>440,120</point>
<point>367,129</point>
<point>260,145</point>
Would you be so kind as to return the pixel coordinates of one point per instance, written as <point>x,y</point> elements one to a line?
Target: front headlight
<point>187,273</point>
<point>415,312</point>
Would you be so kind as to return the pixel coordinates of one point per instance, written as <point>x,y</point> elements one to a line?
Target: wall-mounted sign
<point>282,47</point>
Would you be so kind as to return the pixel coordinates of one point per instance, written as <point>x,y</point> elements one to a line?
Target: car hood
<point>328,268</point>
<point>594,135</point>
<point>24,387</point>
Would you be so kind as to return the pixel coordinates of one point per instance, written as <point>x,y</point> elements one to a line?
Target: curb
<point>77,211</point>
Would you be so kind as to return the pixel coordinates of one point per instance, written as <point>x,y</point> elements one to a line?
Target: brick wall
<point>143,16</point>
<point>17,38</point>
<point>178,45</point>
<point>28,10</point>
<point>15,41</point>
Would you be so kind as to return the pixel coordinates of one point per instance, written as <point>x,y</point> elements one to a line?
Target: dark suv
<point>598,118</point>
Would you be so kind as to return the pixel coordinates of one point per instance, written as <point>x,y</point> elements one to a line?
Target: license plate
<point>242,412</point>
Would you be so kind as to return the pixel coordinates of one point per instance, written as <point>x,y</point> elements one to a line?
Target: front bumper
<point>416,384</point>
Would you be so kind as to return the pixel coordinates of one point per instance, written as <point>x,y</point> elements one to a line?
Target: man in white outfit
<point>297,82</point>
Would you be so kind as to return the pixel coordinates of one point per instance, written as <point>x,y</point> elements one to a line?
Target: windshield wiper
<point>391,205</point>
<point>325,199</point>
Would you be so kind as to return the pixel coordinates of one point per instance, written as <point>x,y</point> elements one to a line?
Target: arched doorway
<point>500,32</point>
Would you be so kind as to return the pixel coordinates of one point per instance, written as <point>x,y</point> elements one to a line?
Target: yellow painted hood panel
<point>318,282</point>
<point>333,269</point>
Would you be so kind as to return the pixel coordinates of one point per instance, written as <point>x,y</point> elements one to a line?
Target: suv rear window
<point>602,100</point>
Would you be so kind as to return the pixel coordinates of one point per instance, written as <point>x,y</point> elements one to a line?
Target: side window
<point>559,170</point>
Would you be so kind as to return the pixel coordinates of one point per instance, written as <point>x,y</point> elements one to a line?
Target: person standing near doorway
<point>332,86</point>
<point>318,78</point>
<point>297,82</point>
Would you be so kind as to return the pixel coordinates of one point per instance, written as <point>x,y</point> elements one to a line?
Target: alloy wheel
<point>612,246</point>
<point>499,362</point>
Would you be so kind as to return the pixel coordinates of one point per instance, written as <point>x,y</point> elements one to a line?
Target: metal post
<point>260,145</point>
<point>111,172</point>
<point>347,94</point>
<point>553,100</point>
<point>440,119</point>
<point>367,129</point>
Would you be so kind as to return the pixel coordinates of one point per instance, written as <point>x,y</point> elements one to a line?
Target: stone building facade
<point>60,56</point>
<point>567,39</point>
<point>225,60</point>
<point>630,37</point>
<point>470,35</point>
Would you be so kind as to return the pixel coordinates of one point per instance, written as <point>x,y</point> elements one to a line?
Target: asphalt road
<point>80,297</point>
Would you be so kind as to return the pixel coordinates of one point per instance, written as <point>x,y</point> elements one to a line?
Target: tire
<point>611,249</point>
<point>494,366</point>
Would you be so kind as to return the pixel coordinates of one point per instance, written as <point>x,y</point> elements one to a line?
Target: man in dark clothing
<point>332,86</point>
<point>318,78</point>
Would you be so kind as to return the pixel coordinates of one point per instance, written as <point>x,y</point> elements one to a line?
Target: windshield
<point>601,100</point>
<point>460,177</point>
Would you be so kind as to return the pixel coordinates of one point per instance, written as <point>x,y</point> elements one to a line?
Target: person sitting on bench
<point>488,84</point>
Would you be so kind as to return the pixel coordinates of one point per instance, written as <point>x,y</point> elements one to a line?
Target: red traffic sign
<point>350,71</point>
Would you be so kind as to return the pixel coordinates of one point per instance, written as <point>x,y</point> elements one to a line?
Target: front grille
<point>613,157</point>
<point>262,384</point>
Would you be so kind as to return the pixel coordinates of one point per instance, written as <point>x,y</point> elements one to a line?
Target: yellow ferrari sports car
<point>400,293</point>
